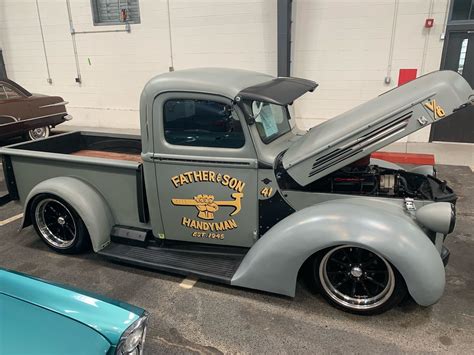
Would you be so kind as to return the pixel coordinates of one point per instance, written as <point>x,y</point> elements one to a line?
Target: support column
<point>284,36</point>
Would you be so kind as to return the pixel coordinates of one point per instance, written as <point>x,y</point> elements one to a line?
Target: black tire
<point>59,225</point>
<point>325,272</point>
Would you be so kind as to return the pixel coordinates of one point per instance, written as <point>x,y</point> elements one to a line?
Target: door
<point>206,170</point>
<point>459,57</point>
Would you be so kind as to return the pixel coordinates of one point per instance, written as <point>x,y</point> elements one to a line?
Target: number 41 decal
<point>266,192</point>
<point>437,110</point>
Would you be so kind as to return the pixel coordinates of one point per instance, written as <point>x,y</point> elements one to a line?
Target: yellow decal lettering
<point>197,175</point>
<point>175,180</point>
<point>266,192</point>
<point>212,176</point>
<point>206,226</point>
<point>438,111</point>
<point>182,179</point>
<point>186,221</point>
<point>206,205</point>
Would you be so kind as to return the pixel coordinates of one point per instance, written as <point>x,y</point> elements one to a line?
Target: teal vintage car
<point>40,317</point>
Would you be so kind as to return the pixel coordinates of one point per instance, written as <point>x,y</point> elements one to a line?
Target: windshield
<point>272,121</point>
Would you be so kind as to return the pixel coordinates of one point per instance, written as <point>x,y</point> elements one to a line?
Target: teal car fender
<point>38,317</point>
<point>29,329</point>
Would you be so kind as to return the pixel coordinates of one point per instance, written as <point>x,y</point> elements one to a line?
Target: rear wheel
<point>39,133</point>
<point>357,280</point>
<point>59,225</point>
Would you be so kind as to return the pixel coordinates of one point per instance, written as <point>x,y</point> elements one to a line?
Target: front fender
<point>273,263</point>
<point>85,199</point>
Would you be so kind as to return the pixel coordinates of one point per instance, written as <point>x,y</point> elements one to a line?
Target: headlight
<point>438,217</point>
<point>133,339</point>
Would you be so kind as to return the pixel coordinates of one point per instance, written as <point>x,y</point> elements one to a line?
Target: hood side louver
<point>358,145</point>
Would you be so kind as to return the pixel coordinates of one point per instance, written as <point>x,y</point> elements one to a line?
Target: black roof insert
<point>279,91</point>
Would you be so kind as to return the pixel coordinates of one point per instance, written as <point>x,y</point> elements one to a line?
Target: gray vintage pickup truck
<point>223,185</point>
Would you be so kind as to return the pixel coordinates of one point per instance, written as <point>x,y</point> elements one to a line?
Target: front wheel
<point>357,280</point>
<point>39,133</point>
<point>59,225</point>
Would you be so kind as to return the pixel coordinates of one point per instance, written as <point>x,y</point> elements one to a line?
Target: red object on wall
<point>429,22</point>
<point>406,75</point>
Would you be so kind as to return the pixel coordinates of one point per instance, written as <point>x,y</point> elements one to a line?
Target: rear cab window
<point>202,123</point>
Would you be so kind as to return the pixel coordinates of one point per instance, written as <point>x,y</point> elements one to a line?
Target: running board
<point>212,266</point>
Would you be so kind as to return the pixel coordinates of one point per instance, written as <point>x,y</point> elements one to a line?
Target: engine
<point>372,180</point>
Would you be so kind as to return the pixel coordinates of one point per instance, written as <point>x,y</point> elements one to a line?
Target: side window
<point>7,93</point>
<point>202,123</point>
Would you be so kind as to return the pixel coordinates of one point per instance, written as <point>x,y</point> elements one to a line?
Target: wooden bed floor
<point>109,155</point>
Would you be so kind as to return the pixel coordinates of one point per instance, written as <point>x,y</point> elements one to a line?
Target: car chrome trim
<point>452,222</point>
<point>35,118</point>
<point>62,103</point>
<point>140,322</point>
<point>8,116</point>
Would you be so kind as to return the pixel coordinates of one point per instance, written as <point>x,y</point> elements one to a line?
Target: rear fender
<point>85,199</point>
<point>273,263</point>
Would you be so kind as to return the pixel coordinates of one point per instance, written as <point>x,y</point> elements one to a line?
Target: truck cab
<point>223,185</point>
<point>211,158</point>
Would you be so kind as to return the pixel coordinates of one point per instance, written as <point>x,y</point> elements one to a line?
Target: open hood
<point>373,125</point>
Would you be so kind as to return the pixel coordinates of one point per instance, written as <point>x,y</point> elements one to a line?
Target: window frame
<point>460,22</point>
<point>153,125</point>
<point>18,93</point>
<point>163,116</point>
<point>96,22</point>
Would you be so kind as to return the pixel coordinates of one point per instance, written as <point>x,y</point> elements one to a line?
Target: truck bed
<point>111,163</point>
<point>89,144</point>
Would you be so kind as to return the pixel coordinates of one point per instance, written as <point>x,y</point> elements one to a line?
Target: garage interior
<point>99,59</point>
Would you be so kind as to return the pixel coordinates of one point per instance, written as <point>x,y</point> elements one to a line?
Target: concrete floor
<point>212,318</point>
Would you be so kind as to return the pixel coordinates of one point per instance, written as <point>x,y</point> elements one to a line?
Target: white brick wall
<point>343,45</point>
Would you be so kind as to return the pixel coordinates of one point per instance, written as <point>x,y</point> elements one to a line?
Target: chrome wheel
<point>55,223</point>
<point>39,133</point>
<point>356,278</point>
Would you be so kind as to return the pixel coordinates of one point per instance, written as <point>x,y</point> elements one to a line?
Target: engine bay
<point>365,179</point>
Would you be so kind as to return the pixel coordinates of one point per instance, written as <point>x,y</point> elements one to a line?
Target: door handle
<point>149,157</point>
